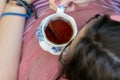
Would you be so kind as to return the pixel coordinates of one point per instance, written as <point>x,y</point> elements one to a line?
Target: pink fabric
<point>37,64</point>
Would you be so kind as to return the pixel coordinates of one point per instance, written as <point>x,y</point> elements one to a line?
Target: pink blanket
<point>37,64</point>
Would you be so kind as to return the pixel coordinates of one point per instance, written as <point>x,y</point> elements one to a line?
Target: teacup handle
<point>60,9</point>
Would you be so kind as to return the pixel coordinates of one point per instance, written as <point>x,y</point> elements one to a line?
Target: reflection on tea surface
<point>59,31</point>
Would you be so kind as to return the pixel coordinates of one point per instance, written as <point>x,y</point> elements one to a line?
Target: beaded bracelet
<point>29,7</point>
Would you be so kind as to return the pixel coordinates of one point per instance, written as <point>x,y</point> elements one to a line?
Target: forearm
<point>2,6</point>
<point>11,32</point>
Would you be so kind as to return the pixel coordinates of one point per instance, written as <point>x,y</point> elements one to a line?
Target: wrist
<point>13,7</point>
<point>21,6</point>
<point>29,7</point>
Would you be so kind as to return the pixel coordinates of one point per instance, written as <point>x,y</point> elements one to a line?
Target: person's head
<point>95,52</point>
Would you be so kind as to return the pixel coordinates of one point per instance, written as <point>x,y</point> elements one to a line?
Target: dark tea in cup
<point>56,31</point>
<point>59,31</point>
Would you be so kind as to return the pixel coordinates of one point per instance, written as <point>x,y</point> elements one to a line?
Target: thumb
<point>70,8</point>
<point>65,2</point>
<point>54,4</point>
<point>82,3</point>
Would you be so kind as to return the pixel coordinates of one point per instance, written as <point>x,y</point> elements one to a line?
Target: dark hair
<point>97,55</point>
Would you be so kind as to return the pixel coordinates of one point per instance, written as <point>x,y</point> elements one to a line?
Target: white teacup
<point>44,42</point>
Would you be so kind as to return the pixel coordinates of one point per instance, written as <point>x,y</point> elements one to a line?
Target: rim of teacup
<point>57,16</point>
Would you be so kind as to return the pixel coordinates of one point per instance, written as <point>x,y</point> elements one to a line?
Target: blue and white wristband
<point>15,14</point>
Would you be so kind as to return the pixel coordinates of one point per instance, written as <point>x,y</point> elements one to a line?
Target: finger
<point>53,5</point>
<point>82,3</point>
<point>70,8</point>
<point>65,2</point>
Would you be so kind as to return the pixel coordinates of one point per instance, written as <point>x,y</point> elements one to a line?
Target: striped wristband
<point>15,14</point>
